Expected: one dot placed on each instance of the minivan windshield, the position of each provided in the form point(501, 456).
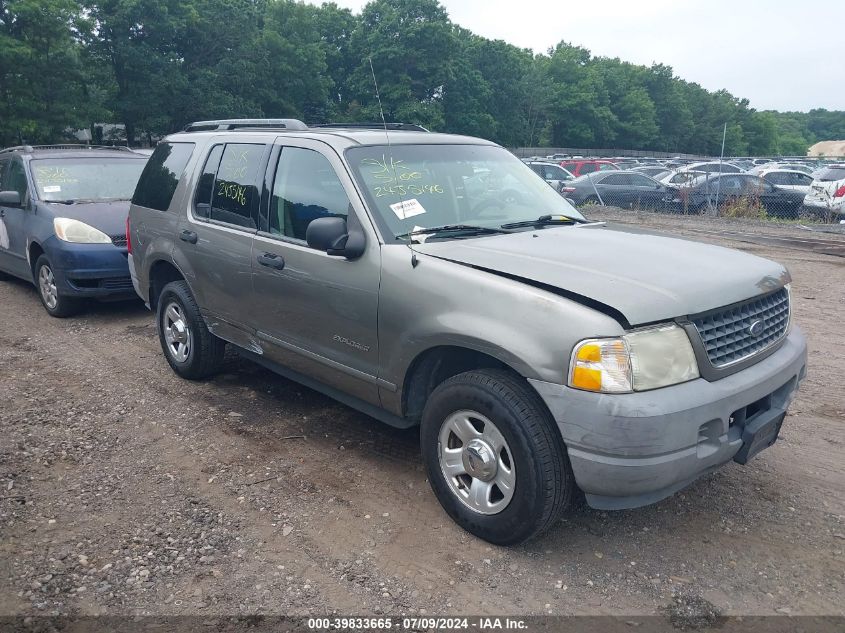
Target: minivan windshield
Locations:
point(415, 187)
point(94, 179)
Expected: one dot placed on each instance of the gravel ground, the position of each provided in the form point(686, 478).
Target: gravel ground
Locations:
point(124, 490)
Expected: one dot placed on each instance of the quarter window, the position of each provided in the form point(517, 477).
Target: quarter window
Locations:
point(161, 176)
point(235, 195)
point(306, 187)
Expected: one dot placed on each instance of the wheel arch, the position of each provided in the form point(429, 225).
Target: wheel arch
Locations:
point(434, 365)
point(161, 273)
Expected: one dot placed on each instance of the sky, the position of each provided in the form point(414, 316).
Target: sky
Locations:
point(780, 55)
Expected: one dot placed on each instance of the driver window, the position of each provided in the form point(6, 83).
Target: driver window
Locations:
point(305, 188)
point(15, 179)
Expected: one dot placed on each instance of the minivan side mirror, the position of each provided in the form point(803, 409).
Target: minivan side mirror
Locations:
point(10, 199)
point(332, 235)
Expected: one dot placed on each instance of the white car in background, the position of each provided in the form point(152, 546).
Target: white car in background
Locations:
point(690, 172)
point(790, 179)
point(826, 195)
point(791, 166)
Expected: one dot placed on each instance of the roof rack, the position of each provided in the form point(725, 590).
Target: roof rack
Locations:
point(77, 146)
point(400, 127)
point(234, 124)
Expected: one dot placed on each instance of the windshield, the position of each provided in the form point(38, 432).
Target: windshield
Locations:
point(101, 178)
point(412, 187)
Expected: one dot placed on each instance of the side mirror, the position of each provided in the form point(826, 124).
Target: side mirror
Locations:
point(10, 199)
point(331, 235)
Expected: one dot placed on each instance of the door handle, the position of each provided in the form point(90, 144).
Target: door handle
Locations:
point(188, 236)
point(271, 260)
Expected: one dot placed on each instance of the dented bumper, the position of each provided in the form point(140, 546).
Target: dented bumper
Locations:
point(630, 450)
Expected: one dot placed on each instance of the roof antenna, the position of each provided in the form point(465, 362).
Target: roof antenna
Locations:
point(414, 260)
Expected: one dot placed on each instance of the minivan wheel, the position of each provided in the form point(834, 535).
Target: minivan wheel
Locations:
point(494, 456)
point(191, 350)
point(56, 304)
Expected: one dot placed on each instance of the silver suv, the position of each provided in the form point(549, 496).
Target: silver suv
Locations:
point(538, 352)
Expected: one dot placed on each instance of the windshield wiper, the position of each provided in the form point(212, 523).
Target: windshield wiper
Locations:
point(454, 228)
point(61, 201)
point(545, 220)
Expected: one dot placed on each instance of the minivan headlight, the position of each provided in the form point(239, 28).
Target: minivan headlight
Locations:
point(70, 230)
point(638, 361)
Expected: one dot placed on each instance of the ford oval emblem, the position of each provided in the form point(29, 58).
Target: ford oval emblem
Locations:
point(756, 328)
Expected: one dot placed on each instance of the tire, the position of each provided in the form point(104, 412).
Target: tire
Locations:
point(533, 458)
point(191, 350)
point(590, 200)
point(56, 305)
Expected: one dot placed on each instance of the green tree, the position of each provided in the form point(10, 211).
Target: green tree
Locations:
point(42, 84)
point(411, 44)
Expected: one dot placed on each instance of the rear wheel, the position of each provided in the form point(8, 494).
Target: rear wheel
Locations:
point(494, 456)
point(57, 305)
point(191, 350)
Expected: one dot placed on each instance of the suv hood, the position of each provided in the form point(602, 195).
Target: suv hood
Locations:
point(108, 217)
point(644, 277)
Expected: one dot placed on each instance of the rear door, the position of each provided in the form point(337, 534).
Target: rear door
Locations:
point(314, 313)
point(615, 189)
point(216, 238)
point(647, 192)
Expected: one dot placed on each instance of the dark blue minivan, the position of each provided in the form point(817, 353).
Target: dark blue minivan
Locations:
point(63, 216)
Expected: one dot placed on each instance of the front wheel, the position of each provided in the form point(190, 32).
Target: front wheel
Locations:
point(495, 458)
point(191, 350)
point(57, 305)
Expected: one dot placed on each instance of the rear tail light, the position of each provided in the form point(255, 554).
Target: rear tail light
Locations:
point(840, 192)
point(128, 239)
point(567, 189)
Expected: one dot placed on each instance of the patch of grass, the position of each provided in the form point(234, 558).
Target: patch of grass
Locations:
point(743, 207)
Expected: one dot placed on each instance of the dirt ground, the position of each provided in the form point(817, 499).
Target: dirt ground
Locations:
point(124, 490)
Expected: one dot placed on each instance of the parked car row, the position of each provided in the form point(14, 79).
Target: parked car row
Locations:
point(693, 185)
point(424, 279)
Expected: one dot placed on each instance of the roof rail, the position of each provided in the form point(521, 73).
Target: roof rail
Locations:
point(17, 148)
point(77, 146)
point(234, 124)
point(393, 127)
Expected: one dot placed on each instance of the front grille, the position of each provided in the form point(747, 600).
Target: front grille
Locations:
point(726, 333)
point(118, 240)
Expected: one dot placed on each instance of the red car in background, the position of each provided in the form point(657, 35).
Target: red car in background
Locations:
point(580, 167)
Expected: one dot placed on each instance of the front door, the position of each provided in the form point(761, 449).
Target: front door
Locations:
point(13, 240)
point(314, 313)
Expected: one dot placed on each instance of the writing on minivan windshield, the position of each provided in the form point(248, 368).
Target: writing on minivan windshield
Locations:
point(93, 179)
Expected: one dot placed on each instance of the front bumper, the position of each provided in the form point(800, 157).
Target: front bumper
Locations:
point(89, 270)
point(629, 450)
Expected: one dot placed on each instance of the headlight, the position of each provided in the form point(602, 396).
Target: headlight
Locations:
point(78, 232)
point(640, 360)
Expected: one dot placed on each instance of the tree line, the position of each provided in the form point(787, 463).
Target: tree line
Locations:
point(156, 65)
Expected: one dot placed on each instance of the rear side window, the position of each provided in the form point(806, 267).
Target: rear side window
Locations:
point(235, 196)
point(161, 175)
point(205, 187)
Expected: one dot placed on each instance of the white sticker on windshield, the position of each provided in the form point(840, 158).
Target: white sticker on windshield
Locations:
point(52, 189)
point(407, 208)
